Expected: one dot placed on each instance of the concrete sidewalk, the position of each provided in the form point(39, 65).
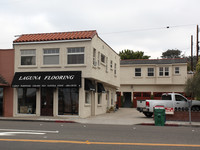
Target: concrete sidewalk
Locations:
point(123, 116)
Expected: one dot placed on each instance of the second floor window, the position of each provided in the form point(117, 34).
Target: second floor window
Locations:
point(163, 71)
point(75, 55)
point(51, 56)
point(111, 64)
point(28, 57)
point(150, 72)
point(115, 69)
point(166, 71)
point(98, 62)
point(177, 70)
point(160, 71)
point(138, 72)
point(94, 57)
point(103, 58)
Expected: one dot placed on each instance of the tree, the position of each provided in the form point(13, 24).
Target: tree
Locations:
point(198, 66)
point(171, 53)
point(130, 54)
point(192, 85)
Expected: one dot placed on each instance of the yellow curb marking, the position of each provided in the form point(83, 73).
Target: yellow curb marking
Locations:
point(99, 143)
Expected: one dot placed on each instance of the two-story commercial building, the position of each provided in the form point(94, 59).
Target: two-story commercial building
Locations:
point(145, 79)
point(62, 74)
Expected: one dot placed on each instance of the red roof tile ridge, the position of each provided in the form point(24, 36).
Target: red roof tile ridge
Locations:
point(58, 32)
point(56, 36)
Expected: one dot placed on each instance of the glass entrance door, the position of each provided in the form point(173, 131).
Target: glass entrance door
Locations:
point(68, 101)
point(47, 101)
point(1, 101)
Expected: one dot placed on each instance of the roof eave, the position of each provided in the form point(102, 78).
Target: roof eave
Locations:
point(54, 41)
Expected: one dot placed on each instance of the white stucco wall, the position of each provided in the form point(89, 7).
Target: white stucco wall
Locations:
point(172, 83)
point(110, 80)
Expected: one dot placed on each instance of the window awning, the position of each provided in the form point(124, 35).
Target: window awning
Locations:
point(89, 86)
point(47, 79)
point(100, 88)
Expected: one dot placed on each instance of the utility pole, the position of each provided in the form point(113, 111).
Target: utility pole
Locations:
point(197, 43)
point(191, 52)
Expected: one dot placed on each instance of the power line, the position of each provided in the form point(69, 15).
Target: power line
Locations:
point(147, 29)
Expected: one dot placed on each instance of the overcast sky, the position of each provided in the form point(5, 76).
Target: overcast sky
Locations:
point(139, 25)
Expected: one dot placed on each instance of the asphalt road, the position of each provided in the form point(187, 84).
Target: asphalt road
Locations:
point(20, 135)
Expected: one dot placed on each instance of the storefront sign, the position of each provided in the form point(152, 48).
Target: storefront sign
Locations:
point(47, 79)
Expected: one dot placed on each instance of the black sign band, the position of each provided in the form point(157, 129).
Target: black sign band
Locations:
point(47, 79)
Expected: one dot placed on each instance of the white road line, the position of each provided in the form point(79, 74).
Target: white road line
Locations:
point(19, 130)
point(14, 133)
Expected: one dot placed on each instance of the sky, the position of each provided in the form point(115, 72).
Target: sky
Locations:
point(151, 26)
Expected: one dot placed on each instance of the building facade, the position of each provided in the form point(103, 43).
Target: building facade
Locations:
point(6, 76)
point(145, 79)
point(62, 74)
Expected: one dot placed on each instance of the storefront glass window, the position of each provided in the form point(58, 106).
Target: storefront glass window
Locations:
point(1, 101)
point(68, 100)
point(27, 100)
point(99, 98)
point(87, 97)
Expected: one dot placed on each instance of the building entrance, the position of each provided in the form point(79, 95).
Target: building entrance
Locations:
point(127, 100)
point(47, 101)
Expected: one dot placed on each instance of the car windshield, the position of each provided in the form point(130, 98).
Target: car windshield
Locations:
point(166, 97)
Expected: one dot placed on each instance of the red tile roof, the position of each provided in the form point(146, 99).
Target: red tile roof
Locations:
point(56, 36)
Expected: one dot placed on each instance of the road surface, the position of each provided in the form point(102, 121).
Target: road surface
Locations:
point(20, 135)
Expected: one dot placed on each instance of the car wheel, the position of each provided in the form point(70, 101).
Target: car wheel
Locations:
point(148, 114)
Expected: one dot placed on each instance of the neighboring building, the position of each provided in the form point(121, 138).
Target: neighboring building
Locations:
point(66, 73)
point(149, 78)
point(6, 76)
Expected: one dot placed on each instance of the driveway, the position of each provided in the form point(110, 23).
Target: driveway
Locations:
point(123, 116)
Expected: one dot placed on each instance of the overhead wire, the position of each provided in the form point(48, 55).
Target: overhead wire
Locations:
point(147, 29)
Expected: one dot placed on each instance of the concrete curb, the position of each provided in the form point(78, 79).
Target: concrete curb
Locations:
point(49, 120)
point(70, 121)
point(172, 125)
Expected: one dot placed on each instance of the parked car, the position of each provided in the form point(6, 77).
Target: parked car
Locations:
point(168, 100)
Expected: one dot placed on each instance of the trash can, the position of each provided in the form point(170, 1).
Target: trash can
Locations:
point(159, 115)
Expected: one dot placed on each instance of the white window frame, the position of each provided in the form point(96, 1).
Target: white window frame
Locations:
point(103, 58)
point(99, 55)
point(76, 53)
point(27, 55)
point(161, 70)
point(177, 71)
point(137, 72)
point(111, 65)
point(94, 57)
point(51, 52)
point(150, 72)
point(106, 64)
point(164, 71)
point(115, 69)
